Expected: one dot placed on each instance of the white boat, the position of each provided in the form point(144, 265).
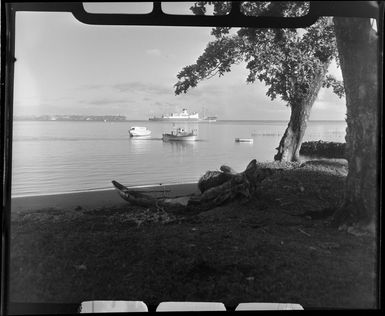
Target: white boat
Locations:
point(179, 135)
point(244, 140)
point(139, 131)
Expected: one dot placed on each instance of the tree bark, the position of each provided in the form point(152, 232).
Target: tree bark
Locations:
point(290, 144)
point(357, 46)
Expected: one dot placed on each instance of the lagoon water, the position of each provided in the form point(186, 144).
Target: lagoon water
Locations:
point(58, 157)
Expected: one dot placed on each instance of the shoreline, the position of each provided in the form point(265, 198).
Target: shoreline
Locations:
point(104, 198)
point(168, 121)
point(94, 199)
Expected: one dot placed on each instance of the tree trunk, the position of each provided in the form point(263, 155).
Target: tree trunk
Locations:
point(290, 144)
point(357, 46)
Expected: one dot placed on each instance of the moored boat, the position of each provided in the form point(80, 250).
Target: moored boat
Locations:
point(179, 135)
point(244, 140)
point(209, 119)
point(136, 131)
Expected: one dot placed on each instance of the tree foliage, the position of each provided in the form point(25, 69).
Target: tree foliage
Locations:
point(286, 60)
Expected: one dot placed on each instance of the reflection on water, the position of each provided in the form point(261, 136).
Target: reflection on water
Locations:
point(55, 157)
point(142, 144)
point(139, 145)
point(180, 146)
point(143, 138)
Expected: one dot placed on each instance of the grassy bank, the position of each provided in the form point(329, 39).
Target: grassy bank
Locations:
point(277, 247)
point(323, 149)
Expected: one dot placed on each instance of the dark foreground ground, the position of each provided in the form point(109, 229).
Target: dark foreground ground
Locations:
point(277, 247)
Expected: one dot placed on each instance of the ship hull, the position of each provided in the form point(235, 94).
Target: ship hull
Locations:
point(170, 137)
point(137, 131)
point(158, 119)
point(244, 140)
point(136, 134)
point(161, 119)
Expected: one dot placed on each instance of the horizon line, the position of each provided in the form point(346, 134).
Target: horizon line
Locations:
point(34, 118)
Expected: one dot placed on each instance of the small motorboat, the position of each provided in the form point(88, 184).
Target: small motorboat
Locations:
point(244, 140)
point(136, 131)
point(179, 135)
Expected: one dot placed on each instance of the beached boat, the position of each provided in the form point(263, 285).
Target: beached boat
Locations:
point(183, 116)
point(244, 140)
point(179, 135)
point(136, 131)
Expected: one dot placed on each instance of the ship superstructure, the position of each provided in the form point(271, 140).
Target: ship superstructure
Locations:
point(182, 116)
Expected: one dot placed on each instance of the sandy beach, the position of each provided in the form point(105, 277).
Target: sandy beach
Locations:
point(94, 199)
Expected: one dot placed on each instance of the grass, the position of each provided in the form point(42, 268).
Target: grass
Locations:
point(277, 247)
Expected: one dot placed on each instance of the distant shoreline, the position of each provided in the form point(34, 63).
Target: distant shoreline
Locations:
point(144, 120)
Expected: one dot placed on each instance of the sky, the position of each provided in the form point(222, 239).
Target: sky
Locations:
point(67, 67)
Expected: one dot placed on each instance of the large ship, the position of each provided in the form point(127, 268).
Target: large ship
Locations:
point(183, 116)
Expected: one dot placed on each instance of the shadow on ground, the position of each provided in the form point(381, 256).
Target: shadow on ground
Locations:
point(277, 247)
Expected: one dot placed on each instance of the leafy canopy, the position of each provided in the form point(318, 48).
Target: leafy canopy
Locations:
point(286, 60)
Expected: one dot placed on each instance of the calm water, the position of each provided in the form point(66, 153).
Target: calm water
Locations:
point(58, 157)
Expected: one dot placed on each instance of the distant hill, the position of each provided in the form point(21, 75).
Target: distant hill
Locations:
point(100, 118)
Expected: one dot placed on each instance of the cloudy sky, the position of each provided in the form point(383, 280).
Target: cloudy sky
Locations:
point(67, 67)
